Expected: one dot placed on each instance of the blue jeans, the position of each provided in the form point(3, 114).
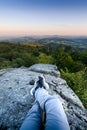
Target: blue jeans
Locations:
point(55, 116)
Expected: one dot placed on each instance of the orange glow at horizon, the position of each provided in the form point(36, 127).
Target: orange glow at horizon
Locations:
point(44, 31)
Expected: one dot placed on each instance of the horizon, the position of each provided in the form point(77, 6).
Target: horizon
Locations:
point(20, 18)
point(43, 36)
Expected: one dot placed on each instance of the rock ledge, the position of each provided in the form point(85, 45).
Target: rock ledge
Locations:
point(15, 100)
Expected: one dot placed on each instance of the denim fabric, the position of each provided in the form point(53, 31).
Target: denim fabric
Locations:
point(55, 116)
point(33, 119)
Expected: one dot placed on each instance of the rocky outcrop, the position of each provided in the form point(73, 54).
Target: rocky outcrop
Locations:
point(15, 100)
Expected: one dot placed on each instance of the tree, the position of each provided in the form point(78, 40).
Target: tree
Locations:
point(43, 58)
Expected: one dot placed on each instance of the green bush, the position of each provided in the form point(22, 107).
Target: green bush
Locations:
point(78, 83)
point(5, 64)
point(17, 62)
point(43, 58)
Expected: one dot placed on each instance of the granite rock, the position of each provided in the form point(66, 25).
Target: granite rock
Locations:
point(15, 98)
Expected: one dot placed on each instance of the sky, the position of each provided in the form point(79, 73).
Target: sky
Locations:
point(43, 17)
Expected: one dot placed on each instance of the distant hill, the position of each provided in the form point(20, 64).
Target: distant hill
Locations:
point(53, 41)
point(79, 43)
point(19, 39)
point(33, 44)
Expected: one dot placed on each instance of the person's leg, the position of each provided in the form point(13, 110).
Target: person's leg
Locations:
point(33, 120)
point(41, 95)
point(55, 116)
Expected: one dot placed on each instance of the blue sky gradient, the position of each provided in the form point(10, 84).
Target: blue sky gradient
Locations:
point(43, 17)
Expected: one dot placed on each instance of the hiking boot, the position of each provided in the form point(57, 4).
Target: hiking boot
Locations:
point(41, 83)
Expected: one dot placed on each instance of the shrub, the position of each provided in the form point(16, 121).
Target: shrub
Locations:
point(43, 58)
point(78, 83)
